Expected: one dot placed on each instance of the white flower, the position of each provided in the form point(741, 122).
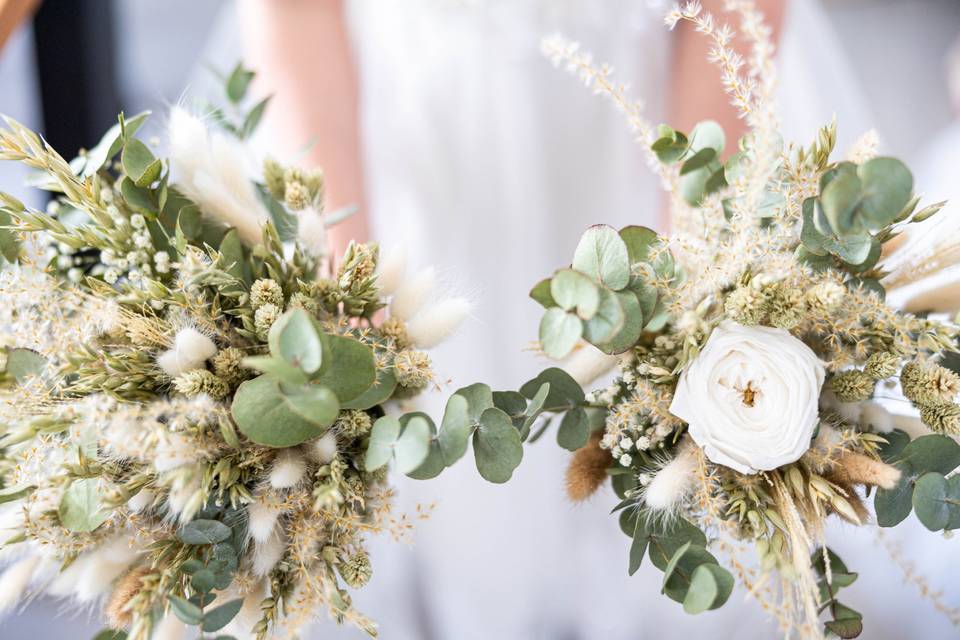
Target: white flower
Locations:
point(750, 397)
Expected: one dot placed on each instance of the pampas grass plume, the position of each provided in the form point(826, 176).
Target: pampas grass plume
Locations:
point(390, 270)
point(673, 483)
point(262, 521)
point(14, 581)
point(118, 616)
point(324, 449)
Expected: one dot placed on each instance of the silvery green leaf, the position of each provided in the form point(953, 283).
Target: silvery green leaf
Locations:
point(80, 510)
point(456, 426)
point(574, 429)
point(559, 332)
point(640, 241)
point(23, 364)
point(479, 398)
point(188, 612)
point(268, 416)
point(203, 532)
point(632, 327)
point(139, 163)
point(378, 393)
point(541, 293)
point(710, 586)
point(608, 320)
point(574, 291)
point(931, 502)
point(563, 393)
point(219, 617)
point(708, 135)
point(110, 144)
point(383, 437)
point(496, 446)
point(602, 255)
point(887, 188)
point(295, 339)
point(413, 445)
point(350, 368)
point(840, 200)
point(852, 249)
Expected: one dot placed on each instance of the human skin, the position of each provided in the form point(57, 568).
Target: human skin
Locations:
point(301, 50)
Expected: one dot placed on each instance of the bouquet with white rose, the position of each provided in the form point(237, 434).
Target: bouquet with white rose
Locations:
point(755, 351)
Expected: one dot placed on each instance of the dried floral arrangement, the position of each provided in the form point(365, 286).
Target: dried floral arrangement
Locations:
point(755, 352)
point(193, 429)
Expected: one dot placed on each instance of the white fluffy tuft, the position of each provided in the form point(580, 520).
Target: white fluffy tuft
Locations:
point(324, 449)
point(849, 411)
point(190, 350)
point(311, 232)
point(437, 322)
point(211, 169)
point(141, 501)
point(103, 567)
point(391, 268)
point(875, 415)
point(410, 296)
point(262, 521)
point(14, 581)
point(673, 483)
point(587, 364)
point(288, 469)
point(267, 554)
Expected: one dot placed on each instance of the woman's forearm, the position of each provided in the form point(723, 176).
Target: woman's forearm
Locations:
point(301, 51)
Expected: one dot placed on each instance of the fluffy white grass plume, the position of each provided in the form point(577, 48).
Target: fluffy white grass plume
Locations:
point(262, 520)
point(672, 485)
point(190, 350)
point(141, 501)
point(14, 581)
point(875, 415)
point(437, 322)
point(104, 565)
point(267, 554)
point(312, 232)
point(412, 294)
point(391, 269)
point(211, 169)
point(324, 449)
point(289, 468)
point(587, 364)
point(849, 411)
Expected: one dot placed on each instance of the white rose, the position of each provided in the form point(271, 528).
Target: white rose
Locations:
point(750, 397)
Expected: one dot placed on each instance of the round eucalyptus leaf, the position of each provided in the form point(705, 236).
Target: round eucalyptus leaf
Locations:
point(276, 367)
point(810, 236)
point(574, 291)
point(479, 398)
point(433, 465)
point(219, 617)
point(873, 257)
point(541, 293)
point(496, 446)
point(674, 561)
point(894, 505)
point(930, 501)
point(379, 393)
point(677, 586)
point(658, 319)
point(563, 392)
point(708, 134)
point(693, 186)
point(413, 445)
point(887, 188)
point(139, 163)
point(710, 586)
point(608, 321)
point(351, 368)
point(455, 428)
point(852, 248)
point(632, 325)
point(574, 429)
point(559, 332)
point(932, 452)
point(699, 159)
point(80, 510)
point(839, 201)
point(602, 255)
point(639, 241)
point(312, 402)
point(383, 437)
point(203, 532)
point(295, 339)
point(267, 416)
point(24, 363)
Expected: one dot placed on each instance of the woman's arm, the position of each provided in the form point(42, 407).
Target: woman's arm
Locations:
point(696, 91)
point(301, 51)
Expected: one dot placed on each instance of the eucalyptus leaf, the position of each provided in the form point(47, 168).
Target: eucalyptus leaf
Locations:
point(351, 370)
point(188, 612)
point(932, 503)
point(894, 505)
point(269, 417)
point(479, 398)
point(710, 586)
point(381, 391)
point(139, 163)
point(887, 188)
point(219, 617)
point(574, 429)
point(559, 332)
point(496, 446)
point(294, 338)
point(111, 143)
point(203, 532)
point(541, 293)
point(80, 510)
point(383, 437)
point(839, 201)
point(602, 255)
point(413, 445)
point(574, 291)
point(932, 452)
point(608, 320)
point(24, 364)
point(632, 327)
point(564, 392)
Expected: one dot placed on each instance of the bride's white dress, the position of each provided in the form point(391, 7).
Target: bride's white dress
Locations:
point(483, 159)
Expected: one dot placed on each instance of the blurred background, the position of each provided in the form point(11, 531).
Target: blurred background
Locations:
point(67, 70)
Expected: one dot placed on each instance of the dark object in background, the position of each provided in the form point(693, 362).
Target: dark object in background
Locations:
point(74, 41)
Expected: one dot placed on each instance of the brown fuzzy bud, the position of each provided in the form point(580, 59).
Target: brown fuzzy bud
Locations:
point(116, 611)
point(942, 417)
point(587, 470)
point(857, 468)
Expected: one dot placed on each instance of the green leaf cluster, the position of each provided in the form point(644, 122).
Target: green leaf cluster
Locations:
point(924, 487)
point(701, 171)
point(844, 622)
point(691, 574)
point(609, 295)
point(307, 378)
